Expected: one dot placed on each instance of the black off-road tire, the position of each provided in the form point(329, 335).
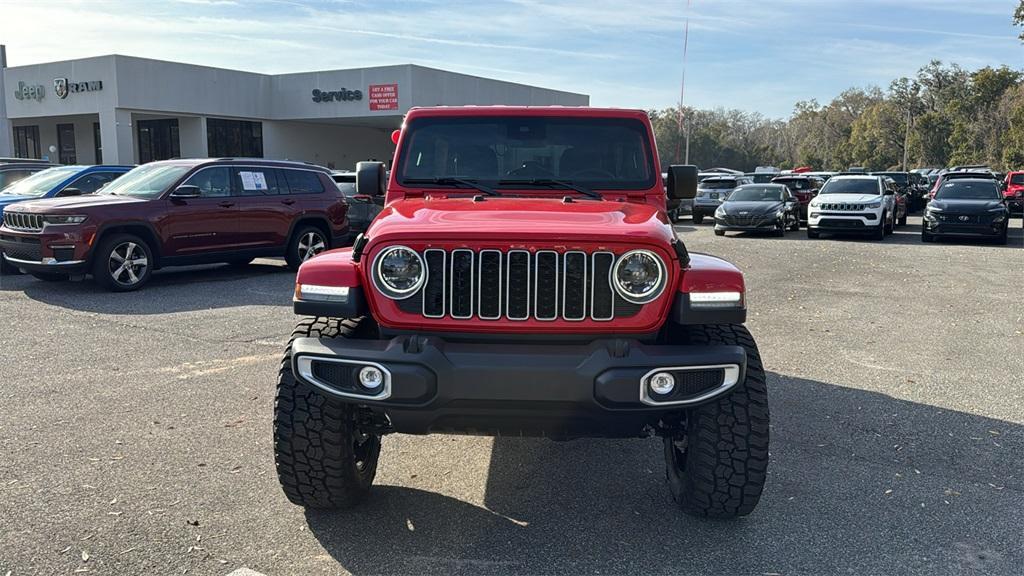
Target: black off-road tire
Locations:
point(927, 236)
point(323, 460)
point(888, 226)
point(720, 470)
point(903, 220)
point(719, 232)
point(813, 234)
point(698, 218)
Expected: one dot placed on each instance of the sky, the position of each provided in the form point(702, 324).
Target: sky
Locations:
point(754, 55)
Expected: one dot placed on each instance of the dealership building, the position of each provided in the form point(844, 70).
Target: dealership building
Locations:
point(125, 110)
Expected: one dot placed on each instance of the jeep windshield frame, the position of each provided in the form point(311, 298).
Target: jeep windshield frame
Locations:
point(542, 154)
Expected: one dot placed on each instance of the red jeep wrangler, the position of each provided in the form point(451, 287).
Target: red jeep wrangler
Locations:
point(523, 279)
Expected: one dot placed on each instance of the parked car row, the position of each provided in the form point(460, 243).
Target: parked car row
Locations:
point(169, 213)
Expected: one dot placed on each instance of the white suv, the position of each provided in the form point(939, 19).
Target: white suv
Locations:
point(853, 204)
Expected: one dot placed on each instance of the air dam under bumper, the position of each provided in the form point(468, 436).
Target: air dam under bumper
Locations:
point(534, 389)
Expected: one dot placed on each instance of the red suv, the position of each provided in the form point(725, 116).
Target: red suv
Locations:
point(1013, 191)
point(178, 212)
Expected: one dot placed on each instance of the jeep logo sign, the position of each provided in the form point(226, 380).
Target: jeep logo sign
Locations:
point(342, 95)
point(61, 87)
point(29, 92)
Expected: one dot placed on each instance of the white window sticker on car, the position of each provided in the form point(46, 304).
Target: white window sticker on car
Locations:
point(253, 180)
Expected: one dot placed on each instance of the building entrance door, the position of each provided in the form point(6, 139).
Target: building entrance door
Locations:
point(66, 144)
point(158, 140)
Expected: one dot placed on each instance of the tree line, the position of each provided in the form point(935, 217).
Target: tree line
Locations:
point(943, 116)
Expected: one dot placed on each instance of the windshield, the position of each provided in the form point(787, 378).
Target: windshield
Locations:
point(509, 152)
point(851, 186)
point(757, 194)
point(961, 190)
point(41, 182)
point(1017, 178)
point(718, 184)
point(146, 181)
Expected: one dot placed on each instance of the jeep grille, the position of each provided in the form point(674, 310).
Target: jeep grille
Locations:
point(518, 285)
point(23, 222)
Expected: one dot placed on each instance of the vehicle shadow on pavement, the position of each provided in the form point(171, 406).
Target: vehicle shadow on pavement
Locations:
point(171, 290)
point(859, 482)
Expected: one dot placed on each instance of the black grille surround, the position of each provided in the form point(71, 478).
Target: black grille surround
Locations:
point(518, 285)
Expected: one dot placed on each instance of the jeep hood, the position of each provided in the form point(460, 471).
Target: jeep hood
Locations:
point(509, 220)
point(64, 205)
point(843, 198)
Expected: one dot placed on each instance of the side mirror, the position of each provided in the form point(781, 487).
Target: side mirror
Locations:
point(682, 182)
point(370, 179)
point(69, 192)
point(186, 191)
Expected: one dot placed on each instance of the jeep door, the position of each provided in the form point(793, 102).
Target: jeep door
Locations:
point(265, 207)
point(203, 225)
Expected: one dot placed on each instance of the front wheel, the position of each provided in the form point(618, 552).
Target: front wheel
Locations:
point(325, 457)
point(880, 232)
point(903, 220)
point(717, 467)
point(719, 232)
point(812, 234)
point(698, 218)
point(123, 262)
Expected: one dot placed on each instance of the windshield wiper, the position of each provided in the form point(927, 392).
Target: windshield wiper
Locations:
point(453, 181)
point(559, 183)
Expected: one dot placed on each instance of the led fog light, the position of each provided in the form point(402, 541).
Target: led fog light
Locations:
point(371, 378)
point(662, 383)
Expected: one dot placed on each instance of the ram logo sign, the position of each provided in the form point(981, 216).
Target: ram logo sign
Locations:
point(62, 87)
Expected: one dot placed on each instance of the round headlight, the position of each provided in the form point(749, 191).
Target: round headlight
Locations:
point(399, 272)
point(639, 276)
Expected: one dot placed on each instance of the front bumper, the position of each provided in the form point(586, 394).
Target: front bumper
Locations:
point(957, 229)
point(843, 222)
point(533, 389)
point(62, 252)
point(758, 224)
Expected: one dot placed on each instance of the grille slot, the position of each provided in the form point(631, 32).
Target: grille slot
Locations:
point(461, 284)
point(518, 285)
point(602, 297)
point(517, 288)
point(546, 286)
point(433, 290)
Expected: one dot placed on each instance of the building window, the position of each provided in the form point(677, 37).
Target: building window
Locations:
point(66, 144)
point(158, 140)
point(234, 138)
point(97, 142)
point(26, 141)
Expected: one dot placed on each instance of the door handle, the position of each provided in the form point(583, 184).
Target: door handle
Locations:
point(288, 202)
point(226, 204)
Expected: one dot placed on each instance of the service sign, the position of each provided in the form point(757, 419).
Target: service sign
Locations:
point(383, 96)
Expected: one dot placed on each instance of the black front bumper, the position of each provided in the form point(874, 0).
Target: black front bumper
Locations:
point(541, 389)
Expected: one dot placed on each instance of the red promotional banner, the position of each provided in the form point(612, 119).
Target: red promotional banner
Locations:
point(383, 96)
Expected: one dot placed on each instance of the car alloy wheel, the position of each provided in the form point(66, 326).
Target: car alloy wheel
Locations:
point(127, 263)
point(310, 245)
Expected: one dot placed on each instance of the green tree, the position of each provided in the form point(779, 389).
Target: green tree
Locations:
point(1018, 18)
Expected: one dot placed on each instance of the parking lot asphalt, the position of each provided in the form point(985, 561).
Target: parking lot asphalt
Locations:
point(135, 435)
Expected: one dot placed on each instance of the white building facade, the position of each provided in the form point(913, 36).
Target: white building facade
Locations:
point(125, 110)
